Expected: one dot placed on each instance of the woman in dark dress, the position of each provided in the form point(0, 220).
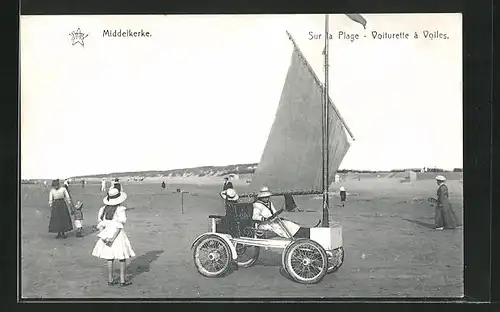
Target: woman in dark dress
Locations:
point(60, 219)
point(343, 195)
point(445, 216)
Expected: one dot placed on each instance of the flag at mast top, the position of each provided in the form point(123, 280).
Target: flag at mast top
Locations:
point(358, 19)
point(355, 17)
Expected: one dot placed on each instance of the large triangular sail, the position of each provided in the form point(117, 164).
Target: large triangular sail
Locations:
point(292, 157)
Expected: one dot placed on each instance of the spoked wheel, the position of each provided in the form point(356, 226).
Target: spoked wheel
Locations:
point(306, 261)
point(335, 259)
point(212, 256)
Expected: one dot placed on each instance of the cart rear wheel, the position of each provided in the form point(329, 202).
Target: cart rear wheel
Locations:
point(247, 255)
point(335, 259)
point(212, 256)
point(306, 261)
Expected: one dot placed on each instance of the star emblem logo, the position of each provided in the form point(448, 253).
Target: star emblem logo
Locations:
point(77, 37)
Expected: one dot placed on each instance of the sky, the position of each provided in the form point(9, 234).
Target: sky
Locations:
point(175, 99)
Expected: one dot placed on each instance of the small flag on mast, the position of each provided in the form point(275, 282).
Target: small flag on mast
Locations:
point(358, 19)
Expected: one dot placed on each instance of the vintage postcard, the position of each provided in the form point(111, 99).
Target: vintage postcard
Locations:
point(241, 156)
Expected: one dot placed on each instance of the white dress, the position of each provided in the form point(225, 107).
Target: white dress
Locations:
point(110, 227)
point(121, 248)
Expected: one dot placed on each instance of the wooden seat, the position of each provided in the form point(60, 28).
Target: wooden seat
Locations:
point(244, 224)
point(236, 222)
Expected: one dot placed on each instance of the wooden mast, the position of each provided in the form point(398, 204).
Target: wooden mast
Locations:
point(325, 118)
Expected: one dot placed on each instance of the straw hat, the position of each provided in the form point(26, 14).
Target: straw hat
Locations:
point(342, 189)
point(115, 197)
point(229, 194)
point(264, 192)
point(440, 178)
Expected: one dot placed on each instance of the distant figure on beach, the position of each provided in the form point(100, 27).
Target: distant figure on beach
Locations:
point(445, 217)
point(103, 185)
point(59, 202)
point(163, 185)
point(79, 219)
point(343, 196)
point(227, 184)
point(117, 185)
point(113, 243)
point(45, 184)
point(66, 186)
point(83, 183)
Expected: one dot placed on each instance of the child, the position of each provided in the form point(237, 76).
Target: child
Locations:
point(343, 195)
point(79, 219)
point(113, 243)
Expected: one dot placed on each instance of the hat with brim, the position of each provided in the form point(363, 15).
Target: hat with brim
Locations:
point(264, 192)
point(115, 197)
point(440, 178)
point(229, 194)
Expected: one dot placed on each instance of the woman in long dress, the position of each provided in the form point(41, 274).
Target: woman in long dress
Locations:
point(113, 243)
point(445, 217)
point(59, 201)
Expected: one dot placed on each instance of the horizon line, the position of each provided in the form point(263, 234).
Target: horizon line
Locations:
point(225, 167)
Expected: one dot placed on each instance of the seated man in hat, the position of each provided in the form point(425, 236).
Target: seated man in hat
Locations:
point(263, 209)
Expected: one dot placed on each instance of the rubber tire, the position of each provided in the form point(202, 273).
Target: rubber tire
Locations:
point(227, 249)
point(335, 269)
point(289, 269)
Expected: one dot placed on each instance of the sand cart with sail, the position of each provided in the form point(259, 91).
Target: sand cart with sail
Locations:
point(307, 142)
point(235, 240)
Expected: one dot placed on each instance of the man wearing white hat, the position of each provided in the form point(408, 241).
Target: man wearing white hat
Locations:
point(445, 217)
point(229, 195)
point(263, 209)
point(230, 198)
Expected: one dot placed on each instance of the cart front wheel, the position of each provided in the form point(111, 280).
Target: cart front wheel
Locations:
point(212, 256)
point(306, 261)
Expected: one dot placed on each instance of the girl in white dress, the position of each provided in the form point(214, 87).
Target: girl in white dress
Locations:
point(113, 243)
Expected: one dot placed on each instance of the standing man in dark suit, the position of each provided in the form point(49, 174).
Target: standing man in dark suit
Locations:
point(227, 184)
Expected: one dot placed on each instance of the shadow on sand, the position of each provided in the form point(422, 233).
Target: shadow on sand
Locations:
point(141, 264)
point(426, 225)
